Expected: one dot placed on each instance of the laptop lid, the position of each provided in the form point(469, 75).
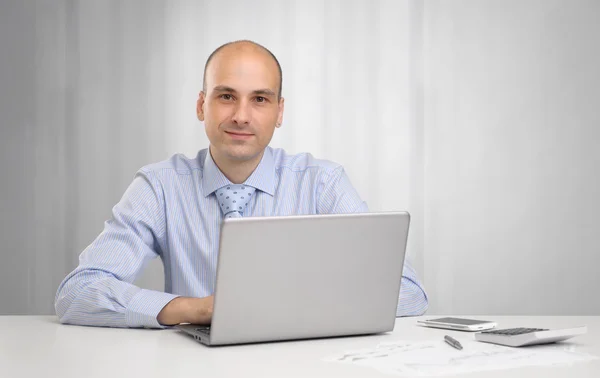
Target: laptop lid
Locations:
point(295, 277)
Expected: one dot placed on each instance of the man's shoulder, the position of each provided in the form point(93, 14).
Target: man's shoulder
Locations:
point(178, 164)
point(302, 162)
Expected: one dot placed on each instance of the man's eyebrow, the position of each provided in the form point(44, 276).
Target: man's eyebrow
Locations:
point(223, 88)
point(266, 92)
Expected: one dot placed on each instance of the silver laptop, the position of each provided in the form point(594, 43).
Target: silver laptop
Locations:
point(309, 276)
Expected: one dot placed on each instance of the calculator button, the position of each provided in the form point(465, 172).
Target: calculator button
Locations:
point(514, 331)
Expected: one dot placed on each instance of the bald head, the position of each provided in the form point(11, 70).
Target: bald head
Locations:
point(237, 49)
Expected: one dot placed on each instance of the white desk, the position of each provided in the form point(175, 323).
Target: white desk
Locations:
point(38, 346)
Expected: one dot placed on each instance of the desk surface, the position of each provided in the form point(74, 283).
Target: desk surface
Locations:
point(38, 346)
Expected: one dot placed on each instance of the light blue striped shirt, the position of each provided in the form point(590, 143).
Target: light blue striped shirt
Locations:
point(170, 211)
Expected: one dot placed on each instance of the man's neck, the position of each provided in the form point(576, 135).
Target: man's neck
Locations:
point(236, 171)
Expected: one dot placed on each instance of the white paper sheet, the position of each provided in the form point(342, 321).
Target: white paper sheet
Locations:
point(436, 358)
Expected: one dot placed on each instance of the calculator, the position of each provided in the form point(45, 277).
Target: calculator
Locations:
point(517, 337)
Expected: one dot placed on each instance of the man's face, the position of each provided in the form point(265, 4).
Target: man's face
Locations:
point(240, 109)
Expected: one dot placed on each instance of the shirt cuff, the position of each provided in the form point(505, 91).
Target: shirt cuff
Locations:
point(144, 308)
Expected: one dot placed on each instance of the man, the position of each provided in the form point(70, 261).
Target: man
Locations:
point(173, 209)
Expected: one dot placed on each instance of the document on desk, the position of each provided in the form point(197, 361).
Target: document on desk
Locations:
point(436, 358)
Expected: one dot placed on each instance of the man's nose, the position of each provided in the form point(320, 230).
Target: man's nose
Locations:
point(241, 115)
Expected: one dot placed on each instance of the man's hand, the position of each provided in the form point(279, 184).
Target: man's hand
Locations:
point(187, 310)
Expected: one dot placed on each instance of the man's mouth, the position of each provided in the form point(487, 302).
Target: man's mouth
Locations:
point(235, 135)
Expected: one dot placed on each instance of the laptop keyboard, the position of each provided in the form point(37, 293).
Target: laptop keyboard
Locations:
point(205, 330)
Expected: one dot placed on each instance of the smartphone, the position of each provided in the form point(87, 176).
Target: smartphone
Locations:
point(458, 324)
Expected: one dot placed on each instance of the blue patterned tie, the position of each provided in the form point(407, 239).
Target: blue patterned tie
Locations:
point(234, 198)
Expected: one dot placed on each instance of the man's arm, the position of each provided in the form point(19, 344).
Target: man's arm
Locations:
point(99, 291)
point(413, 299)
point(339, 196)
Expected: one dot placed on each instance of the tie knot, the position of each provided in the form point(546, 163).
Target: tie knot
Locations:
point(234, 198)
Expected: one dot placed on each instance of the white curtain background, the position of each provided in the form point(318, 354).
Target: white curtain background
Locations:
point(93, 90)
point(512, 156)
point(478, 117)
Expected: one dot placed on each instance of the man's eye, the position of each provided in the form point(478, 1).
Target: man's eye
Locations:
point(226, 97)
point(261, 99)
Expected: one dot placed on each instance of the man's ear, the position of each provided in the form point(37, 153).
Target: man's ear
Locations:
point(200, 106)
point(280, 114)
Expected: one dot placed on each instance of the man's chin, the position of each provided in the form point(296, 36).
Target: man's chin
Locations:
point(243, 155)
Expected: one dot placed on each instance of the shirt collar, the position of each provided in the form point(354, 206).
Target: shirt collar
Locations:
point(263, 177)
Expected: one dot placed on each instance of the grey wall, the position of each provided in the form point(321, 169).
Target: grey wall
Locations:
point(66, 159)
point(512, 150)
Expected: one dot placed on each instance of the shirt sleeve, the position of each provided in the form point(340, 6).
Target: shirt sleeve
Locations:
point(99, 292)
point(413, 298)
point(339, 196)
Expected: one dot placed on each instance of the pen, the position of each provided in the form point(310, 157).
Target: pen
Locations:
point(452, 342)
